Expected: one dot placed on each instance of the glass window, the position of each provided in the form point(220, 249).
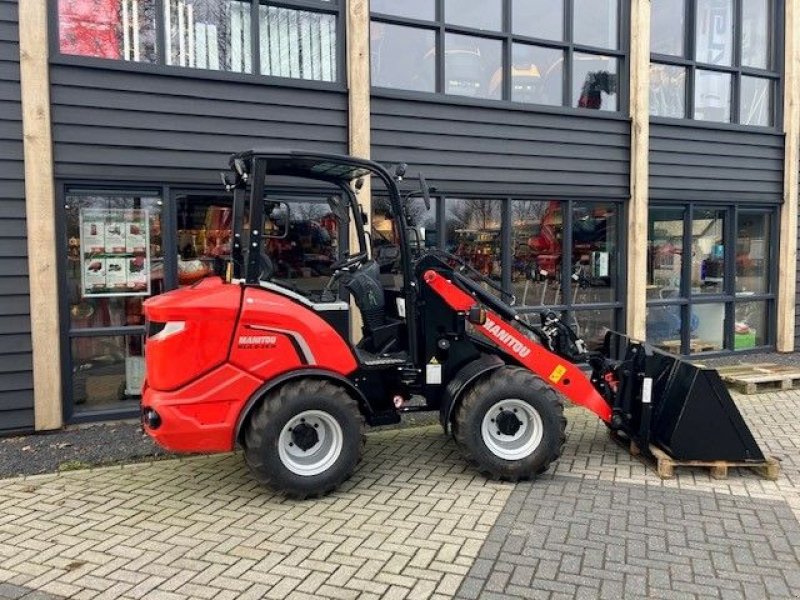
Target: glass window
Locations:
point(755, 33)
point(473, 66)
point(537, 75)
point(595, 23)
point(204, 224)
point(209, 34)
point(592, 326)
point(539, 18)
point(752, 253)
point(714, 35)
point(403, 57)
point(664, 326)
point(712, 96)
point(106, 371)
point(473, 232)
point(594, 253)
point(750, 325)
point(594, 81)
point(667, 91)
point(708, 251)
point(755, 107)
point(487, 14)
point(412, 9)
point(537, 230)
point(664, 253)
point(385, 246)
point(707, 328)
point(667, 19)
point(114, 29)
point(298, 44)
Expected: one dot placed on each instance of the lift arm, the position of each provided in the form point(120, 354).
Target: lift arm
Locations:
point(562, 375)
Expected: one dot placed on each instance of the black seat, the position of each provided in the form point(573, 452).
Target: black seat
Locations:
point(380, 333)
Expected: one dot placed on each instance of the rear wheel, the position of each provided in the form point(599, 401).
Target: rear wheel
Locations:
point(305, 438)
point(510, 425)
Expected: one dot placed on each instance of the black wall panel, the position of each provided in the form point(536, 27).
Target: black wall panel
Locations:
point(16, 380)
point(487, 150)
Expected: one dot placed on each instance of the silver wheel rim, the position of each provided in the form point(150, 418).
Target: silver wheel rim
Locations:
point(520, 443)
point(324, 451)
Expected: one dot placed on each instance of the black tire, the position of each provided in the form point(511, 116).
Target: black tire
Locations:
point(504, 384)
point(267, 421)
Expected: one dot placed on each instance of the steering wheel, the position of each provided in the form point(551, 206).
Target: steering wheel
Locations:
point(350, 261)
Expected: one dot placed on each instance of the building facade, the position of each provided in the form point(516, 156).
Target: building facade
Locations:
point(632, 164)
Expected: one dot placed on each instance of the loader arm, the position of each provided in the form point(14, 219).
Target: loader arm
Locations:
point(562, 375)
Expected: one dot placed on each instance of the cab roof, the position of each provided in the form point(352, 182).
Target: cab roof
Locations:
point(315, 165)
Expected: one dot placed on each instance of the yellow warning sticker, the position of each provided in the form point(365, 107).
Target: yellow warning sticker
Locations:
point(557, 373)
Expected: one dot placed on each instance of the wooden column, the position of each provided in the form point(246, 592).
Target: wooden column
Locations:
point(40, 213)
point(787, 260)
point(640, 149)
point(359, 111)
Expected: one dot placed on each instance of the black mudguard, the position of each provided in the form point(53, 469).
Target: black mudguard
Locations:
point(461, 381)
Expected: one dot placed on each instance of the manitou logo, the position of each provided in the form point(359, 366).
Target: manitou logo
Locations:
point(250, 342)
point(506, 339)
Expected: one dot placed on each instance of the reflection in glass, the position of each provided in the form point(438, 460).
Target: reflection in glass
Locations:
point(537, 229)
point(413, 9)
point(594, 252)
point(664, 253)
point(708, 328)
point(487, 14)
point(714, 36)
point(106, 371)
point(752, 253)
point(708, 251)
point(403, 57)
point(592, 326)
point(755, 33)
point(297, 43)
point(712, 96)
point(755, 107)
point(595, 23)
point(204, 226)
point(667, 27)
point(209, 34)
point(750, 325)
point(115, 29)
point(539, 19)
point(667, 91)
point(472, 232)
point(473, 66)
point(385, 244)
point(594, 81)
point(537, 75)
point(663, 329)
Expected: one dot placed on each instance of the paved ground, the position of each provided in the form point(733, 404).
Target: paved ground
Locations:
point(414, 523)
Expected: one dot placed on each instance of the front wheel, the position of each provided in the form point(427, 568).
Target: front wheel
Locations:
point(305, 439)
point(510, 425)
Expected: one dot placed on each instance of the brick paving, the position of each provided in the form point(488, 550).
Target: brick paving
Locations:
point(414, 522)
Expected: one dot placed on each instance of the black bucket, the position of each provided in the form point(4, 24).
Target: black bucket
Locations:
point(683, 409)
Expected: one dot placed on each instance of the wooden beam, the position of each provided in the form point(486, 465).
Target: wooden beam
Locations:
point(636, 303)
point(787, 254)
point(358, 84)
point(40, 208)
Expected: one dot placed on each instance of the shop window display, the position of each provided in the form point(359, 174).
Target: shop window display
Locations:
point(537, 243)
point(473, 233)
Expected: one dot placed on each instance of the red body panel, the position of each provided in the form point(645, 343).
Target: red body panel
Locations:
point(562, 375)
point(228, 341)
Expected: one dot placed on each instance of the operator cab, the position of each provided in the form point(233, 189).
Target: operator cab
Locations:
point(386, 333)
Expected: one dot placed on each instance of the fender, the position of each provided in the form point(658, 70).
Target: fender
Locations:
point(291, 376)
point(461, 381)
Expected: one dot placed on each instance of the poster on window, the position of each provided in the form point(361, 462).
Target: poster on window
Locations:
point(115, 248)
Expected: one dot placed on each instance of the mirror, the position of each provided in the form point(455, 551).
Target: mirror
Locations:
point(276, 220)
point(400, 171)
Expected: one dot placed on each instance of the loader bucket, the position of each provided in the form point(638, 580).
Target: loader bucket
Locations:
point(683, 409)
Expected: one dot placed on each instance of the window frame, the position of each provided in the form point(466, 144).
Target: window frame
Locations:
point(508, 39)
point(160, 66)
point(729, 298)
point(736, 70)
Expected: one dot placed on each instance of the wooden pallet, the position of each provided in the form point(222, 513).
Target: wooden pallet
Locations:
point(759, 378)
point(665, 465)
point(695, 346)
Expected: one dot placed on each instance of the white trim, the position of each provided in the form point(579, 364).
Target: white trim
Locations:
point(301, 341)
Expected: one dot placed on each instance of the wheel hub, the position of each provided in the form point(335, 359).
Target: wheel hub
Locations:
point(304, 436)
point(507, 422)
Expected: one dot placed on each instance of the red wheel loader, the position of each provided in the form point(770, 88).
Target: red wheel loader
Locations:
point(246, 359)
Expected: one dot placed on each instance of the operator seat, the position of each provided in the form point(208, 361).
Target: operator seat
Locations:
point(380, 333)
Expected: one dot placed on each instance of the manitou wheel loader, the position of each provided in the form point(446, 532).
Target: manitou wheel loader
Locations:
point(245, 359)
